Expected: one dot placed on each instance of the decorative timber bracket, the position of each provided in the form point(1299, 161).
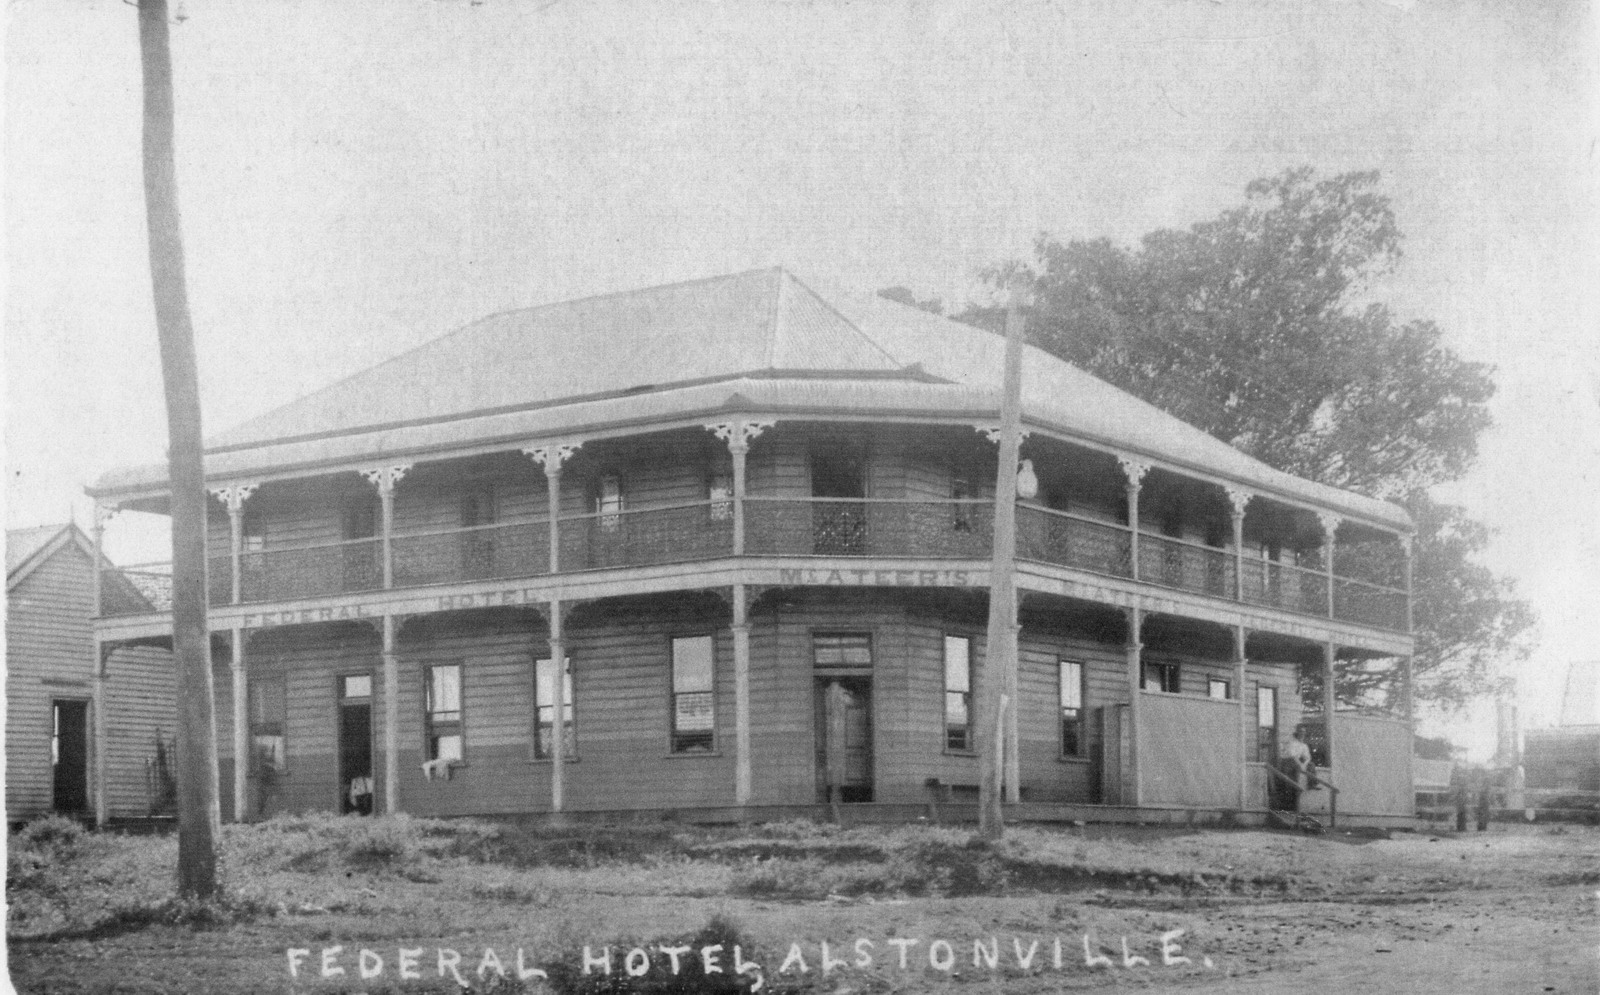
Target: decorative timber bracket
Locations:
point(385, 477)
point(553, 455)
point(739, 434)
point(233, 496)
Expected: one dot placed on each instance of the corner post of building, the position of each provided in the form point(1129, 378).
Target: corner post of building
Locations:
point(558, 714)
point(233, 498)
point(1330, 532)
point(241, 717)
point(1134, 649)
point(738, 435)
point(391, 715)
point(1238, 501)
point(742, 777)
point(102, 656)
point(551, 457)
point(385, 478)
point(1134, 471)
point(1330, 698)
point(1241, 664)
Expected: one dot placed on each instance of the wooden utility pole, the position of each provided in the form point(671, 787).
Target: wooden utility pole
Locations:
point(1000, 648)
point(198, 815)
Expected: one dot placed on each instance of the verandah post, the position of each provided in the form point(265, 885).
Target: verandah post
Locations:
point(1240, 668)
point(101, 514)
point(742, 778)
point(1238, 501)
point(1134, 471)
point(391, 718)
point(243, 753)
point(558, 716)
point(1133, 651)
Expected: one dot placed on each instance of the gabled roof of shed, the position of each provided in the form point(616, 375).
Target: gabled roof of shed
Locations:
point(757, 341)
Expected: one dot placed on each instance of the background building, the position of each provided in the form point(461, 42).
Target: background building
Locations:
point(84, 733)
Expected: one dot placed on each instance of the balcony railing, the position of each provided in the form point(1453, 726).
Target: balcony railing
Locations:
point(952, 529)
point(1279, 585)
point(1369, 604)
point(1071, 541)
point(702, 530)
point(641, 537)
point(486, 552)
point(1187, 566)
point(308, 571)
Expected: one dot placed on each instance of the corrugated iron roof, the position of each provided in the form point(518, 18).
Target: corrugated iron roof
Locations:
point(761, 340)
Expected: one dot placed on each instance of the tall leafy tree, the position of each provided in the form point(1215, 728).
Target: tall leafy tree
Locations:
point(1259, 327)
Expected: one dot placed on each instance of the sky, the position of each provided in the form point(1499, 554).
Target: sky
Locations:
point(358, 178)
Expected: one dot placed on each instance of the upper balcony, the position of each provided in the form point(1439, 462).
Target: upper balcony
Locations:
point(816, 492)
point(576, 457)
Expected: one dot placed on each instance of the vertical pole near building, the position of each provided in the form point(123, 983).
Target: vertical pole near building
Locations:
point(101, 513)
point(1329, 700)
point(1330, 530)
point(1238, 501)
point(391, 718)
point(1134, 649)
point(1134, 471)
point(742, 781)
point(558, 718)
point(198, 815)
point(242, 752)
point(384, 478)
point(102, 656)
point(1240, 668)
point(551, 457)
point(1000, 654)
point(1408, 690)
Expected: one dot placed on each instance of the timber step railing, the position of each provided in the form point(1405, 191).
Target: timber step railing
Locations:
point(1299, 817)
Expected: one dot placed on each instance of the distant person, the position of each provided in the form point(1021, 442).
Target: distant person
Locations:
point(1297, 765)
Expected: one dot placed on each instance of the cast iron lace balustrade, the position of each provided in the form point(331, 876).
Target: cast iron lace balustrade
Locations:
point(1069, 540)
point(1281, 585)
point(482, 552)
point(774, 526)
point(1188, 566)
point(638, 537)
point(309, 571)
point(946, 529)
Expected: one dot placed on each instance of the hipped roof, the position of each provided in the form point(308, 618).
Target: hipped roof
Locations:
point(760, 341)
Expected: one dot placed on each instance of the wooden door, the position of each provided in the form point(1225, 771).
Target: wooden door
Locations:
point(844, 738)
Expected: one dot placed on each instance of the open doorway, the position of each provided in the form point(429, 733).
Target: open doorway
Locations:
point(69, 756)
point(844, 738)
point(355, 744)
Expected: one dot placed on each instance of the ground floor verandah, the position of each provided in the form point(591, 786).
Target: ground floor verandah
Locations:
point(736, 705)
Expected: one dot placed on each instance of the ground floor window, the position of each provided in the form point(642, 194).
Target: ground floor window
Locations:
point(443, 718)
point(1161, 677)
point(693, 699)
point(957, 693)
point(544, 695)
point(1071, 686)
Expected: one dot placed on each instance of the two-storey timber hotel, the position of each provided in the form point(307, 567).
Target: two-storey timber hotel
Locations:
point(723, 547)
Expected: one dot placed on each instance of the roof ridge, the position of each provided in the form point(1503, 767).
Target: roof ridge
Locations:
point(828, 305)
